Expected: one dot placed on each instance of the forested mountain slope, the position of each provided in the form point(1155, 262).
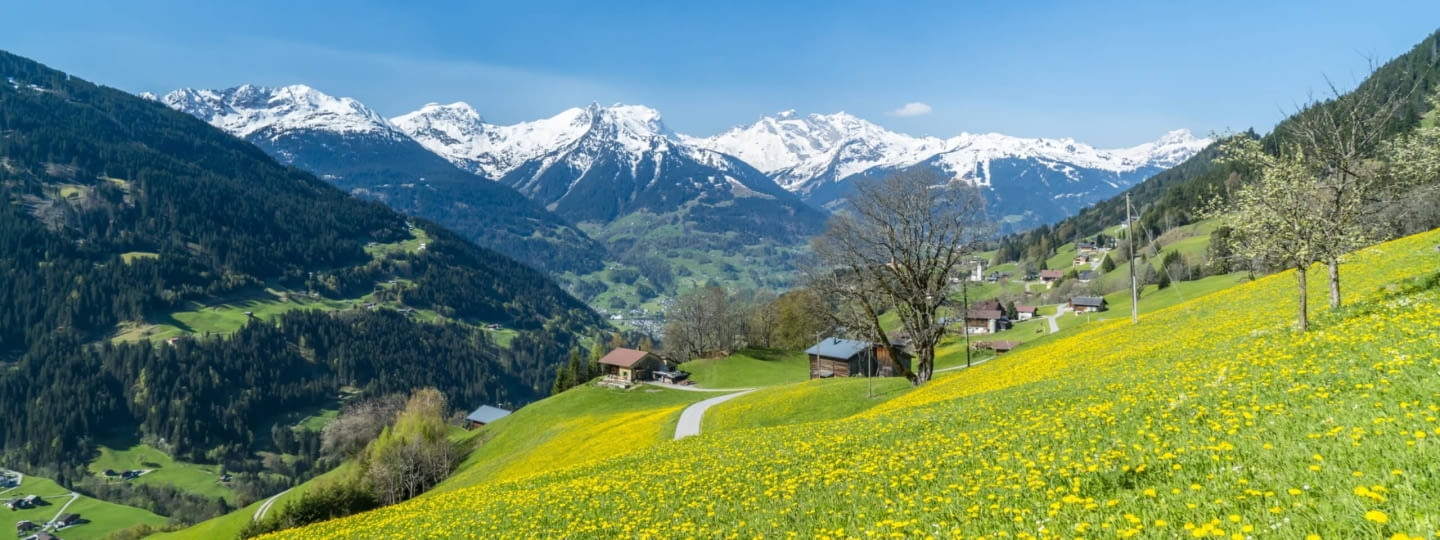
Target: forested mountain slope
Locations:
point(117, 210)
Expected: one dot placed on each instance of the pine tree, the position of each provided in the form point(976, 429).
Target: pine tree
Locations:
point(1107, 265)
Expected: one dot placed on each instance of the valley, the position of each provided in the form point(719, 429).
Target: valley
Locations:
point(986, 302)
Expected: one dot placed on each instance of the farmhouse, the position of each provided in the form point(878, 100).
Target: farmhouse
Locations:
point(627, 366)
point(484, 415)
point(1025, 313)
point(985, 321)
point(1049, 277)
point(835, 357)
point(68, 520)
point(1088, 304)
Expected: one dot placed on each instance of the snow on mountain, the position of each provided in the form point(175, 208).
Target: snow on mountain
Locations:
point(459, 133)
point(796, 150)
point(250, 110)
point(805, 153)
point(968, 156)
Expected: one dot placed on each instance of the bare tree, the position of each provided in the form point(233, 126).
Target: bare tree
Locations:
point(705, 321)
point(895, 247)
point(1341, 136)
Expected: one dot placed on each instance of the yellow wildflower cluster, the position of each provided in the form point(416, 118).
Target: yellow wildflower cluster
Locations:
point(1209, 419)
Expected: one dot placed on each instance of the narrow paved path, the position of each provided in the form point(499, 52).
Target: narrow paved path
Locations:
point(690, 418)
point(963, 366)
point(55, 521)
point(265, 507)
point(1059, 310)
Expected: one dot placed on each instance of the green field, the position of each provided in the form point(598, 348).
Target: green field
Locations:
point(228, 526)
point(202, 479)
point(748, 368)
point(103, 517)
point(1210, 418)
point(810, 401)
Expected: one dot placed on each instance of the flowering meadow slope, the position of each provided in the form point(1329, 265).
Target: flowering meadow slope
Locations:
point(1211, 418)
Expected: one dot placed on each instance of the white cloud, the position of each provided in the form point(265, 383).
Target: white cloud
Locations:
point(914, 108)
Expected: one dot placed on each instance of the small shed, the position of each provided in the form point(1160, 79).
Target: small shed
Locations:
point(1025, 313)
point(836, 357)
point(1088, 304)
point(484, 415)
point(628, 365)
point(1000, 347)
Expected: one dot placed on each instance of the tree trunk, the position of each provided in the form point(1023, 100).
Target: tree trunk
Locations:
point(925, 365)
point(1304, 321)
point(1335, 283)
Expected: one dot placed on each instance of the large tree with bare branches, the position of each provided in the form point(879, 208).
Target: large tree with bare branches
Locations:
point(1341, 137)
point(895, 247)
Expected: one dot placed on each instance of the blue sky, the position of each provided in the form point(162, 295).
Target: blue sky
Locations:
point(1108, 73)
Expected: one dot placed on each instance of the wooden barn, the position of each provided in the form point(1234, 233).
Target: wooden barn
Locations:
point(484, 415)
point(836, 357)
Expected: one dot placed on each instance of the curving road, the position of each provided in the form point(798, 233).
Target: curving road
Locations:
point(265, 506)
point(690, 418)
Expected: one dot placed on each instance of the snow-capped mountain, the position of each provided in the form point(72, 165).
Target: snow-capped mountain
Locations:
point(356, 149)
point(821, 156)
point(250, 111)
point(599, 164)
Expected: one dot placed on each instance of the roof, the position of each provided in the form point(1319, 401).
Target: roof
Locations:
point(843, 349)
point(987, 314)
point(1088, 275)
point(623, 357)
point(487, 414)
point(1088, 301)
point(1026, 309)
point(986, 305)
point(1053, 274)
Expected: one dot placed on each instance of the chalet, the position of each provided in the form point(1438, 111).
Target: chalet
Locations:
point(25, 525)
point(835, 357)
point(1082, 259)
point(985, 321)
point(1086, 247)
point(32, 500)
point(1087, 276)
point(1088, 304)
point(1049, 277)
point(68, 520)
point(628, 366)
point(1000, 347)
point(1025, 313)
point(484, 415)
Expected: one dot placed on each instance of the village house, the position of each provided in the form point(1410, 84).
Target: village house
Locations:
point(836, 357)
point(1049, 277)
point(1086, 247)
point(988, 305)
point(985, 321)
point(484, 415)
point(1082, 259)
point(1025, 313)
point(628, 366)
point(1087, 276)
point(1088, 304)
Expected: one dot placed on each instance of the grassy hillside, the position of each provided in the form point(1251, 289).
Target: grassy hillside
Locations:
point(1209, 418)
point(750, 367)
point(101, 517)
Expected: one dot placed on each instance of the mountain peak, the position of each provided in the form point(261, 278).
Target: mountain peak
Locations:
point(248, 109)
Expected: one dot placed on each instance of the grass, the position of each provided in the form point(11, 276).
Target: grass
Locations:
point(201, 479)
point(131, 256)
point(1212, 417)
point(749, 368)
point(584, 424)
point(811, 401)
point(319, 420)
point(103, 517)
point(228, 526)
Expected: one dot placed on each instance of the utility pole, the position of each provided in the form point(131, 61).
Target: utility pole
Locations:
point(965, 317)
point(1134, 286)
